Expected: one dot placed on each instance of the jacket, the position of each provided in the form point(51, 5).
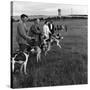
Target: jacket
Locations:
point(51, 29)
point(22, 36)
point(35, 32)
point(46, 31)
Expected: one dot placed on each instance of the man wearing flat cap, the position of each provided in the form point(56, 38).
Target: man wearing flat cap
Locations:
point(22, 37)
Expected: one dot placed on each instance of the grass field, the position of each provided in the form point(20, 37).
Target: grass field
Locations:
point(65, 66)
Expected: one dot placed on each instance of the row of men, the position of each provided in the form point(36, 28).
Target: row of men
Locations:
point(32, 37)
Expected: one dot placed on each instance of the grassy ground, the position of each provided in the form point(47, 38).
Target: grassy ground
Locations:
point(65, 66)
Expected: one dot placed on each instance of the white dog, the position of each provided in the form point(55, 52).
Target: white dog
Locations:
point(56, 39)
point(22, 62)
point(37, 50)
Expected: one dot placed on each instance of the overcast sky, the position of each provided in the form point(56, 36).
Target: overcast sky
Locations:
point(34, 8)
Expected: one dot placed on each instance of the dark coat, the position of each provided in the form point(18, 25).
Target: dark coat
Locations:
point(35, 32)
point(52, 30)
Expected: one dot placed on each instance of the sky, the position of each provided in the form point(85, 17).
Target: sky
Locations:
point(37, 8)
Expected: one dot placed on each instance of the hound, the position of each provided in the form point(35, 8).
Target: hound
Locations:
point(37, 50)
point(45, 45)
point(63, 27)
point(55, 38)
point(23, 61)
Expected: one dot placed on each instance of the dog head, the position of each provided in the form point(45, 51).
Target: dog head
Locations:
point(36, 49)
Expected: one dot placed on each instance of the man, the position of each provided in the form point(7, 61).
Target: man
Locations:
point(46, 37)
point(35, 32)
point(22, 36)
point(46, 30)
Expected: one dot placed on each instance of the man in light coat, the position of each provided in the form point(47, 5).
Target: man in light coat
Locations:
point(46, 30)
point(22, 37)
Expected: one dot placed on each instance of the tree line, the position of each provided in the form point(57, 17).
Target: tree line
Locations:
point(53, 18)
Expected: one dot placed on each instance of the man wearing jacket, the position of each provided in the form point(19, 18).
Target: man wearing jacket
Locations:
point(46, 30)
point(22, 37)
point(35, 32)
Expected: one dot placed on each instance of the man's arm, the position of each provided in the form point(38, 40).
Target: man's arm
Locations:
point(35, 30)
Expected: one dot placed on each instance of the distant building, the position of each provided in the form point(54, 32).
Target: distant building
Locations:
point(59, 13)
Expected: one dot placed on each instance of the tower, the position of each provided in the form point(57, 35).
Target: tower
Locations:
point(59, 13)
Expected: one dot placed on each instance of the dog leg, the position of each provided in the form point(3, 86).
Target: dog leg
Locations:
point(58, 44)
point(21, 69)
point(49, 47)
point(25, 68)
point(37, 57)
point(38, 54)
point(45, 53)
point(13, 63)
point(25, 63)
